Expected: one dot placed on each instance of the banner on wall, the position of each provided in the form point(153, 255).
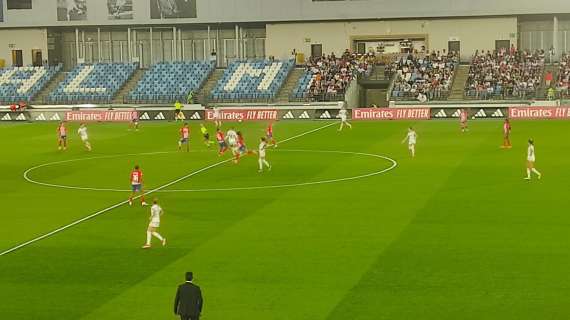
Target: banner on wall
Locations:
point(71, 10)
point(391, 114)
point(120, 9)
point(172, 9)
point(101, 115)
point(243, 114)
point(532, 113)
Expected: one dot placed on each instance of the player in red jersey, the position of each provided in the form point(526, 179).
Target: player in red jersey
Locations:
point(62, 136)
point(184, 137)
point(221, 139)
point(269, 135)
point(137, 185)
point(241, 148)
point(507, 134)
point(463, 120)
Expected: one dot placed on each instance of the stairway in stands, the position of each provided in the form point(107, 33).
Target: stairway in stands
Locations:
point(289, 85)
point(458, 87)
point(41, 97)
point(204, 94)
point(119, 98)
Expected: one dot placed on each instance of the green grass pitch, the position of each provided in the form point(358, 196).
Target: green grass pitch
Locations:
point(454, 234)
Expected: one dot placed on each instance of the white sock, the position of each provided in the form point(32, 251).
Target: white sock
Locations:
point(528, 173)
point(148, 237)
point(536, 171)
point(266, 163)
point(349, 125)
point(260, 164)
point(157, 235)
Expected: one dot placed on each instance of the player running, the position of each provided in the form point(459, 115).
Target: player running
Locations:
point(217, 118)
point(507, 134)
point(62, 136)
point(343, 114)
point(262, 162)
point(531, 158)
point(463, 120)
point(232, 137)
point(221, 141)
point(184, 137)
point(205, 134)
point(137, 185)
point(241, 148)
point(411, 137)
point(134, 123)
point(82, 131)
point(155, 213)
point(269, 135)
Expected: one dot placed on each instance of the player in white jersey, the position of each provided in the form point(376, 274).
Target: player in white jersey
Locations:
point(217, 120)
point(232, 138)
point(82, 131)
point(262, 149)
point(531, 158)
point(343, 114)
point(155, 214)
point(411, 137)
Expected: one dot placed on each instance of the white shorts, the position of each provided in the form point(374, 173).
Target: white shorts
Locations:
point(154, 224)
point(531, 159)
point(343, 119)
point(84, 139)
point(411, 145)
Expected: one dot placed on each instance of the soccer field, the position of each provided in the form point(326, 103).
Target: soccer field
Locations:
point(334, 231)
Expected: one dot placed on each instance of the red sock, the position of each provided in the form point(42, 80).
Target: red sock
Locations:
point(142, 199)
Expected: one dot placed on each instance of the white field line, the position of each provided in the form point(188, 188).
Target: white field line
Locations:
point(392, 162)
point(100, 212)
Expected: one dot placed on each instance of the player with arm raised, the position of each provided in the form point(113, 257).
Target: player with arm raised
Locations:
point(82, 131)
point(184, 137)
point(137, 185)
point(262, 150)
point(221, 141)
point(531, 158)
point(62, 136)
point(507, 134)
point(411, 137)
point(343, 115)
point(156, 213)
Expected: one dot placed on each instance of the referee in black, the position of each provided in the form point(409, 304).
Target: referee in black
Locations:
point(188, 302)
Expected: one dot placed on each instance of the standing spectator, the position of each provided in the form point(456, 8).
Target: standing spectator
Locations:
point(548, 78)
point(188, 301)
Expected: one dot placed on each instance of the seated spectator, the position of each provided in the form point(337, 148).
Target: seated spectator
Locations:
point(504, 74)
point(563, 79)
point(424, 76)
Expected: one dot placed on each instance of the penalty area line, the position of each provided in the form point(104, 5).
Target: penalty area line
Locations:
point(100, 212)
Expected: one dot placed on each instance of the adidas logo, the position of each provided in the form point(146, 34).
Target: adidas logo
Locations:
point(498, 114)
point(304, 115)
point(289, 115)
point(457, 113)
point(195, 116)
point(181, 116)
point(144, 116)
point(41, 117)
point(55, 117)
point(325, 115)
point(441, 114)
point(6, 117)
point(480, 114)
point(159, 116)
point(21, 117)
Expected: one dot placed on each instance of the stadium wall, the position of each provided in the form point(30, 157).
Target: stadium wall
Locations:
point(474, 34)
point(25, 40)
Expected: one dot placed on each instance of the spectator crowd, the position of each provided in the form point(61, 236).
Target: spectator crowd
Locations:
point(424, 77)
point(331, 75)
point(563, 80)
point(505, 73)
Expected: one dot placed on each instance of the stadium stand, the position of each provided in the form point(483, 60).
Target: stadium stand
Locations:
point(167, 82)
point(424, 76)
point(92, 83)
point(21, 84)
point(505, 74)
point(252, 80)
point(563, 80)
point(327, 77)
